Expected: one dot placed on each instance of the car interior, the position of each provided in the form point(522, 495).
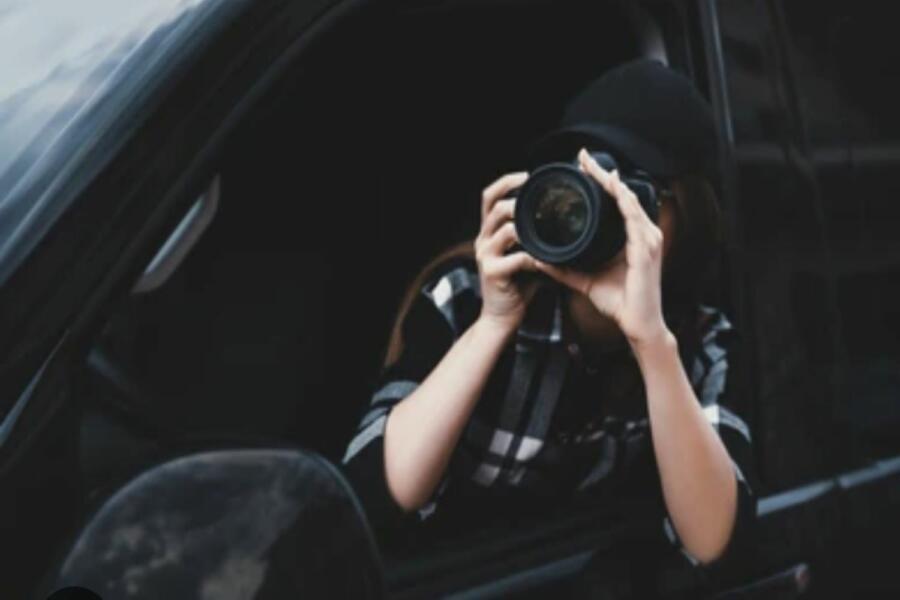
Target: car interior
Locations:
point(276, 322)
point(365, 160)
point(273, 327)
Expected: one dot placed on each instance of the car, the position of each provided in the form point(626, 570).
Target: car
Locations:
point(209, 210)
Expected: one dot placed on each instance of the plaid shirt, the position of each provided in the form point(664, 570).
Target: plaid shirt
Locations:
point(548, 420)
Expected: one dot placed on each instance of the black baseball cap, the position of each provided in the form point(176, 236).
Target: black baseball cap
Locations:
point(641, 111)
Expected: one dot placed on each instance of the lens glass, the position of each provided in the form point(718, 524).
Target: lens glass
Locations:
point(561, 212)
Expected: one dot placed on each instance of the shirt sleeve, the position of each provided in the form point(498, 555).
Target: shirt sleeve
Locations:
point(713, 378)
point(430, 328)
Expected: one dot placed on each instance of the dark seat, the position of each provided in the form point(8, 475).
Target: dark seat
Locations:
point(236, 525)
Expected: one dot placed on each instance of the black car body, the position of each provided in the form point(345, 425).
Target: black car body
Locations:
point(205, 214)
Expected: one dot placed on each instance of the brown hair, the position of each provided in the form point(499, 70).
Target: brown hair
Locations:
point(395, 344)
point(690, 264)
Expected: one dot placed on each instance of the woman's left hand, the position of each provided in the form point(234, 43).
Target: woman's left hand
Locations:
point(628, 289)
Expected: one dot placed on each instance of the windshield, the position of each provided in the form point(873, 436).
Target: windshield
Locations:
point(61, 62)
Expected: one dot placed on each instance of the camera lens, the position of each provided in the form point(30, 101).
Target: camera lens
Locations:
point(561, 212)
point(560, 216)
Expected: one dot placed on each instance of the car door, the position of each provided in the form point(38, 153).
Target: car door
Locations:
point(109, 135)
point(810, 135)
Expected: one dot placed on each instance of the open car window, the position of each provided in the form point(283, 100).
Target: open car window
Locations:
point(276, 322)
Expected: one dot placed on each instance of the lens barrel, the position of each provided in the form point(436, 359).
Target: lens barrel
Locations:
point(564, 217)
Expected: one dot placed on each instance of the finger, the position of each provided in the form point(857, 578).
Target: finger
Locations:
point(502, 239)
point(637, 246)
point(603, 177)
point(653, 240)
point(501, 212)
point(513, 263)
point(645, 244)
point(640, 242)
point(499, 189)
point(629, 203)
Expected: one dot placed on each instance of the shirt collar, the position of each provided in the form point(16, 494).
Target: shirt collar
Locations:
point(544, 319)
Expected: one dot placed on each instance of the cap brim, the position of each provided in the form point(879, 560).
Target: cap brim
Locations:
point(599, 136)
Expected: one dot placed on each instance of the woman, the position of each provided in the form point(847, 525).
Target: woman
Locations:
point(503, 390)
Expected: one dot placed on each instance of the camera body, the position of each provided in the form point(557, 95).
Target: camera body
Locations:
point(564, 216)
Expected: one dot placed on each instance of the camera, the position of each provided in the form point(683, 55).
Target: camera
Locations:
point(564, 216)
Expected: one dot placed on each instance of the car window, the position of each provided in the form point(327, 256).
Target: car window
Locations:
point(63, 56)
point(69, 72)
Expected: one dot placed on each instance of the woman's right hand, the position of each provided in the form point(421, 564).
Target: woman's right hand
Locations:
point(504, 297)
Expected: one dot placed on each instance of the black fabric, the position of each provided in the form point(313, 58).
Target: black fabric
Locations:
point(643, 111)
point(366, 474)
point(593, 451)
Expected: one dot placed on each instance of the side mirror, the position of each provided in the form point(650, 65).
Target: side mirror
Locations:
point(238, 524)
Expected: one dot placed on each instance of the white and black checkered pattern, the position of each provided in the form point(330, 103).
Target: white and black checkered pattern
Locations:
point(514, 438)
